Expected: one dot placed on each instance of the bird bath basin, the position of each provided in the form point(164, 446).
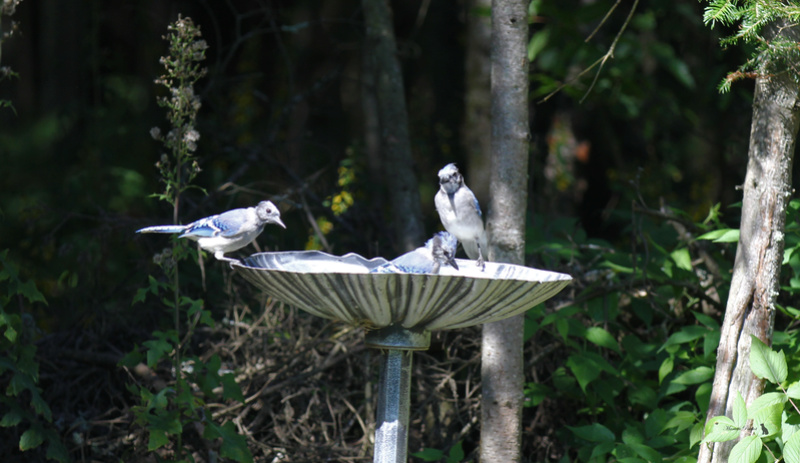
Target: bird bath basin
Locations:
point(398, 311)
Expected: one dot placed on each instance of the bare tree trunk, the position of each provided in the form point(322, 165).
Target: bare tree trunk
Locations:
point(398, 163)
point(501, 356)
point(477, 124)
point(767, 189)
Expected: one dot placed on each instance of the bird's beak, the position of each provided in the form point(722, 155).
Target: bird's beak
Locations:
point(452, 262)
point(279, 222)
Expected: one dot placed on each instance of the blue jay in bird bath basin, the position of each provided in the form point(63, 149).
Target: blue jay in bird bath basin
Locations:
point(439, 250)
point(225, 232)
point(460, 213)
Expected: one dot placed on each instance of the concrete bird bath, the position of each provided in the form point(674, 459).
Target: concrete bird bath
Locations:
point(399, 311)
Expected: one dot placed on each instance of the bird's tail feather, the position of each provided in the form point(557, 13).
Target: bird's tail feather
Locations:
point(163, 229)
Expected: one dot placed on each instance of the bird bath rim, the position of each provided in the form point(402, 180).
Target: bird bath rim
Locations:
point(341, 288)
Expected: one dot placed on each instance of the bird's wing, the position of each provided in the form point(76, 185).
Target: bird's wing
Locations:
point(206, 227)
point(228, 224)
point(416, 261)
point(474, 201)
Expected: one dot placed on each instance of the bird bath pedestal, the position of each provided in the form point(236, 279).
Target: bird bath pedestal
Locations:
point(399, 311)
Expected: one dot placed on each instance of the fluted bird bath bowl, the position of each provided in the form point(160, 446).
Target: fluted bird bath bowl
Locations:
point(398, 311)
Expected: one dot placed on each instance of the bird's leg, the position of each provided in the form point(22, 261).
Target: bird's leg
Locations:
point(436, 266)
point(219, 255)
point(480, 262)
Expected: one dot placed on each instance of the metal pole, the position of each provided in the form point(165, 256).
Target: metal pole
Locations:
point(394, 394)
point(394, 389)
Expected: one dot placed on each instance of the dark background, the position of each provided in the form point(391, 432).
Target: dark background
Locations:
point(282, 114)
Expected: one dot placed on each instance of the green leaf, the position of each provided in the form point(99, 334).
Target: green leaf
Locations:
point(456, 453)
point(647, 453)
point(791, 451)
point(31, 439)
point(12, 418)
point(739, 411)
point(767, 420)
point(686, 334)
point(696, 434)
point(695, 376)
point(766, 363)
point(682, 259)
point(234, 445)
point(602, 338)
point(156, 350)
point(593, 433)
point(721, 429)
point(765, 400)
point(56, 449)
point(230, 388)
point(794, 390)
point(666, 368)
point(680, 421)
point(746, 451)
point(429, 454)
point(728, 235)
point(29, 291)
point(537, 43)
point(587, 366)
point(158, 438)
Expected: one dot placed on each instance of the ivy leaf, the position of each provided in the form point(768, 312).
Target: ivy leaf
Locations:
point(766, 363)
point(739, 411)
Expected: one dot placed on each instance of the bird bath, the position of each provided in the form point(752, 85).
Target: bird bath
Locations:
point(398, 311)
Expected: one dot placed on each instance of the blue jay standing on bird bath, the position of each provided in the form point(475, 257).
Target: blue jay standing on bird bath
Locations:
point(460, 213)
point(439, 250)
point(225, 232)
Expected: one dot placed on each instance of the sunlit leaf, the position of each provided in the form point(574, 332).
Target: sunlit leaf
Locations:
point(746, 451)
point(766, 363)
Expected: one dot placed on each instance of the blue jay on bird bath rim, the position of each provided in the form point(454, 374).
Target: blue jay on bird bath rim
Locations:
point(225, 232)
point(439, 250)
point(460, 213)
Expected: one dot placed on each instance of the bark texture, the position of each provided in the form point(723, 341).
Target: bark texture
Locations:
point(501, 357)
point(397, 162)
point(767, 190)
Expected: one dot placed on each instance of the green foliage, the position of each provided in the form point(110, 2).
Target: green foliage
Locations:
point(19, 369)
point(770, 423)
point(454, 455)
point(639, 343)
point(751, 17)
point(167, 413)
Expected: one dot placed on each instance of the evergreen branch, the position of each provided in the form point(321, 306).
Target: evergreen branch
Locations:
point(724, 12)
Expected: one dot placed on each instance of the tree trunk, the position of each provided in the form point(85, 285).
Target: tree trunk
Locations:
point(501, 357)
point(767, 189)
point(398, 164)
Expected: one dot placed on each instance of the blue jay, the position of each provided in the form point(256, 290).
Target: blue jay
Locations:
point(225, 232)
point(460, 213)
point(439, 250)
